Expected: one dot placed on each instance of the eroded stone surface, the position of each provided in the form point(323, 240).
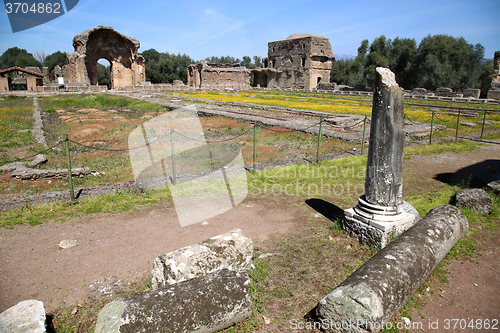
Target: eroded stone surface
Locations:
point(25, 317)
point(127, 66)
point(203, 75)
point(494, 92)
point(385, 283)
point(384, 170)
point(204, 304)
point(475, 199)
point(380, 214)
point(231, 250)
point(299, 62)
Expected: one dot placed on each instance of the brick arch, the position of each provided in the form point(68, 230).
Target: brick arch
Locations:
point(101, 42)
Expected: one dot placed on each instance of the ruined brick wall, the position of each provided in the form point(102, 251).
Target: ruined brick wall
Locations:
point(216, 76)
point(127, 66)
point(299, 62)
point(494, 92)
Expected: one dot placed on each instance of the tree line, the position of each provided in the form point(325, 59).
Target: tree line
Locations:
point(437, 61)
point(166, 67)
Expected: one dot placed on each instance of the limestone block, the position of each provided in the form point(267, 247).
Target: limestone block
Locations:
point(494, 186)
point(230, 250)
point(379, 288)
point(204, 304)
point(25, 317)
point(474, 93)
point(475, 199)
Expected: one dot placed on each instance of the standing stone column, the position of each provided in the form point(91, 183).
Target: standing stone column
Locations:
point(380, 212)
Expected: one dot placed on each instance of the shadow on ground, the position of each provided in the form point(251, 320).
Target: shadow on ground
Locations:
point(475, 175)
point(328, 210)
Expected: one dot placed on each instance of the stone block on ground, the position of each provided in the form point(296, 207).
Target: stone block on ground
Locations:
point(25, 317)
point(475, 199)
point(494, 186)
point(204, 304)
point(231, 250)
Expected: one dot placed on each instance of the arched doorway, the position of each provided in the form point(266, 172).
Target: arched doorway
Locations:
point(104, 73)
point(101, 42)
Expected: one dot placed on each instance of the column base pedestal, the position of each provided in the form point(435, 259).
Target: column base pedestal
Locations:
point(378, 225)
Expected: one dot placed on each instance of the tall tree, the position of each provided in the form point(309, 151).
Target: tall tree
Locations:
point(485, 76)
point(56, 58)
point(378, 56)
point(445, 61)
point(402, 61)
point(257, 61)
point(18, 57)
point(166, 67)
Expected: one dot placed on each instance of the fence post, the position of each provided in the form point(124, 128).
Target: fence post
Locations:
point(70, 178)
point(174, 174)
point(254, 145)
point(458, 124)
point(364, 136)
point(319, 138)
point(432, 125)
point(484, 121)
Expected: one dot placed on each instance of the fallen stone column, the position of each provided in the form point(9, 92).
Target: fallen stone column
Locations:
point(368, 298)
point(204, 304)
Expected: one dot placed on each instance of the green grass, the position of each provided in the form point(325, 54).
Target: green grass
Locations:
point(108, 203)
point(441, 148)
point(99, 101)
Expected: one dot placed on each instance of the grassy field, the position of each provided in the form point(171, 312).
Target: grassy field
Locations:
point(318, 257)
point(15, 122)
point(321, 255)
point(343, 104)
point(100, 126)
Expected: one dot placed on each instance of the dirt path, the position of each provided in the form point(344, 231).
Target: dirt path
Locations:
point(115, 250)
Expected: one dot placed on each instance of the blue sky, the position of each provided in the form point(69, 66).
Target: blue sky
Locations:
point(217, 28)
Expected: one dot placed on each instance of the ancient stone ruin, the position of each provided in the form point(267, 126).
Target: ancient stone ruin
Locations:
point(102, 42)
point(381, 212)
point(215, 76)
point(380, 287)
point(494, 92)
point(299, 62)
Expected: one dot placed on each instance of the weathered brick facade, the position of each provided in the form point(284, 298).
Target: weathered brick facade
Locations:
point(101, 42)
point(299, 62)
point(214, 76)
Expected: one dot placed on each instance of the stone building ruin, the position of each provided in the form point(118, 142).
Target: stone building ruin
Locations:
point(494, 92)
point(102, 42)
point(299, 62)
point(215, 76)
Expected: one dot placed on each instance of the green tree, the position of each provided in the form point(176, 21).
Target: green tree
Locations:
point(350, 71)
point(222, 60)
point(247, 62)
point(166, 67)
point(380, 50)
point(402, 61)
point(257, 61)
point(151, 58)
point(485, 75)
point(18, 57)
point(445, 61)
point(56, 58)
point(104, 75)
